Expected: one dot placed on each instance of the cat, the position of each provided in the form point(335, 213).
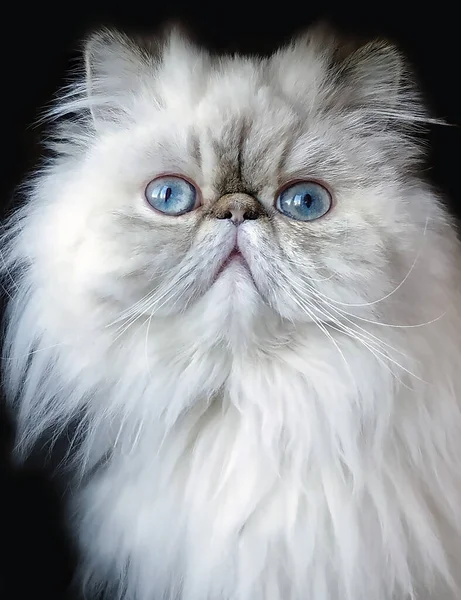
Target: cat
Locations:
point(233, 282)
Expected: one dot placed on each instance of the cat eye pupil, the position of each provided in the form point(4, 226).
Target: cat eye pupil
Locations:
point(166, 192)
point(301, 199)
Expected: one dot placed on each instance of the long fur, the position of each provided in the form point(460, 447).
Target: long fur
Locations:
point(287, 435)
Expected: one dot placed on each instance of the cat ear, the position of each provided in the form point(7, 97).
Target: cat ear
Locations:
point(376, 69)
point(113, 67)
point(375, 77)
point(376, 82)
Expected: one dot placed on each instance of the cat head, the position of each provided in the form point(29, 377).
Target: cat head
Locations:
point(280, 184)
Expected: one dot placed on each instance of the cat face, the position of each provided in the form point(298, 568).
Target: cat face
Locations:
point(282, 183)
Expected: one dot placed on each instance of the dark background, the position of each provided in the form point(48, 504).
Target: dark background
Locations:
point(39, 44)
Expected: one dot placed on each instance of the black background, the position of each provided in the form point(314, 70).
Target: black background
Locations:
point(39, 43)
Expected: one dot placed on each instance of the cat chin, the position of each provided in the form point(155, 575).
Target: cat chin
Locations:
point(233, 297)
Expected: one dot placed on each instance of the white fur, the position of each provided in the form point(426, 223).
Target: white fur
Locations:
point(291, 435)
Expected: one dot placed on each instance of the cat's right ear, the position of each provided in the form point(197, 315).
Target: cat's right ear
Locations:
point(113, 67)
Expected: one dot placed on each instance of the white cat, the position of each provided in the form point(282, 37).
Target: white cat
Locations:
point(233, 279)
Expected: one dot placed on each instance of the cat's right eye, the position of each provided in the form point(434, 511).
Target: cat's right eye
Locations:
point(172, 195)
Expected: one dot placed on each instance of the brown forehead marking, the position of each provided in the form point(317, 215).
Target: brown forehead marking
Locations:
point(193, 146)
point(230, 175)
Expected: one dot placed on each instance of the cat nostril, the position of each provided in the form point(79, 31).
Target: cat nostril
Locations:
point(238, 215)
point(225, 215)
point(250, 215)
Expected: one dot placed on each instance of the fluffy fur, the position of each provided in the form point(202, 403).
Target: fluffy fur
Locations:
point(289, 433)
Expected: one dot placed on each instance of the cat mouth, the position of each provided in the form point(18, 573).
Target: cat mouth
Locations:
point(234, 257)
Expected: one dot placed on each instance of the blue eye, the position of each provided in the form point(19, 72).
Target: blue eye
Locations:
point(304, 201)
point(171, 195)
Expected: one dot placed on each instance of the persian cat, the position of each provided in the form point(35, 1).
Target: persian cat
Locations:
point(233, 285)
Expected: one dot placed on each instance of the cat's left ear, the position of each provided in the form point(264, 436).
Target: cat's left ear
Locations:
point(375, 72)
point(114, 65)
point(377, 81)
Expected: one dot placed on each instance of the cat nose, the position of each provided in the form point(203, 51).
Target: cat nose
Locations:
point(237, 208)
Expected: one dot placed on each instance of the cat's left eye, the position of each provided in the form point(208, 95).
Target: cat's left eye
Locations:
point(304, 201)
point(172, 195)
